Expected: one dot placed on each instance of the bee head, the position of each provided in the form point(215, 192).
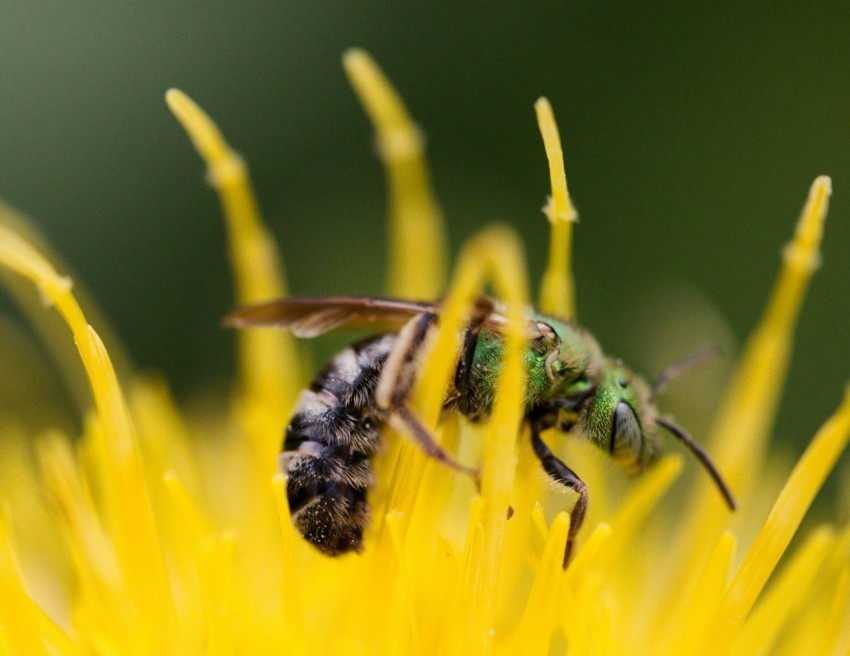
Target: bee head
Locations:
point(620, 417)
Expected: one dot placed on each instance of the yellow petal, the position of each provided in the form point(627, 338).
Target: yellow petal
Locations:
point(778, 529)
point(787, 596)
point(693, 608)
point(417, 258)
point(746, 415)
point(268, 359)
point(557, 290)
point(293, 610)
point(20, 632)
point(132, 528)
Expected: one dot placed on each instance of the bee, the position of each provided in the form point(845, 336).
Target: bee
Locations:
point(335, 429)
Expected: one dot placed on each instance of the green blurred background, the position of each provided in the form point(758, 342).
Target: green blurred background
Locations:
point(692, 132)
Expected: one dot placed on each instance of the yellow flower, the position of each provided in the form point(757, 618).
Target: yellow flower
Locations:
point(167, 532)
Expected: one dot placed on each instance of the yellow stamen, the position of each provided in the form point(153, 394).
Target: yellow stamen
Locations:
point(837, 634)
point(417, 258)
point(500, 448)
point(269, 386)
point(590, 552)
point(557, 289)
point(125, 492)
point(164, 437)
point(640, 503)
point(457, 636)
point(779, 528)
point(20, 632)
point(52, 333)
point(293, 611)
point(493, 255)
point(787, 596)
point(453, 571)
point(535, 629)
point(689, 618)
point(747, 413)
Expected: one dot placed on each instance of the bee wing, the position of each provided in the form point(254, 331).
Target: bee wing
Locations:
point(312, 316)
point(309, 317)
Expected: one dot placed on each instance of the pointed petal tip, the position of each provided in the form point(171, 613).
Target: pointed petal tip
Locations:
point(824, 181)
point(804, 249)
point(355, 56)
point(179, 103)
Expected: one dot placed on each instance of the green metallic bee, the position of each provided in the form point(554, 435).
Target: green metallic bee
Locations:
point(336, 427)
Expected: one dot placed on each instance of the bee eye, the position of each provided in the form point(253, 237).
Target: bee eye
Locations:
point(626, 435)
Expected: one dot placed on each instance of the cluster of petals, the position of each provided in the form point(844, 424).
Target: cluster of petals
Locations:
point(159, 531)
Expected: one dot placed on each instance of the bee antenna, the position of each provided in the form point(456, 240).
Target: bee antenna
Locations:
point(683, 366)
point(702, 456)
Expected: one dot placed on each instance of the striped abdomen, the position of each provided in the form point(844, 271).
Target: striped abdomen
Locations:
point(329, 442)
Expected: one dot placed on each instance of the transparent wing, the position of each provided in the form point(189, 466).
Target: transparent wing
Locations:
point(313, 316)
point(309, 317)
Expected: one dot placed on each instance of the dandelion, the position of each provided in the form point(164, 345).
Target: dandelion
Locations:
point(157, 531)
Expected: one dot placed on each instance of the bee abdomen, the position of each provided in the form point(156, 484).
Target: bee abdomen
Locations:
point(327, 478)
point(328, 508)
point(316, 466)
point(353, 374)
point(329, 441)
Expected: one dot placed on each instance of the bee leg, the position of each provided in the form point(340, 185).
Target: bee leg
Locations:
point(401, 369)
point(396, 384)
point(405, 421)
point(565, 476)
